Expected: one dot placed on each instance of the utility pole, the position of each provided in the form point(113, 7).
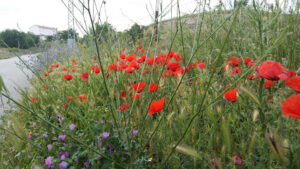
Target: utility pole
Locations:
point(71, 27)
point(156, 21)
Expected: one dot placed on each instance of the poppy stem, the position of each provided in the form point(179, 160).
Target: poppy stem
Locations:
point(261, 100)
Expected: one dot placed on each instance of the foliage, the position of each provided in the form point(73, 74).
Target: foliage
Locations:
point(16, 39)
point(196, 98)
point(135, 32)
point(64, 35)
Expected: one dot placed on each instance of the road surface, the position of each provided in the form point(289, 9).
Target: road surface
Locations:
point(13, 77)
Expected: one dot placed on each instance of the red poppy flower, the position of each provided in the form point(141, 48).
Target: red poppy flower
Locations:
point(271, 70)
point(122, 64)
point(236, 70)
point(136, 96)
point(173, 66)
point(95, 69)
point(167, 73)
point(231, 95)
point(235, 61)
point(138, 87)
point(156, 106)
point(68, 77)
point(123, 94)
point(57, 65)
point(131, 57)
point(112, 67)
point(179, 71)
point(268, 84)
point(164, 60)
point(122, 56)
point(74, 62)
point(139, 47)
point(153, 87)
point(141, 59)
point(70, 98)
point(171, 54)
point(51, 66)
point(46, 87)
point(177, 57)
point(129, 70)
point(150, 61)
point(294, 83)
point(134, 64)
point(237, 160)
point(250, 77)
point(139, 42)
point(45, 74)
point(122, 108)
point(82, 97)
point(95, 58)
point(247, 61)
point(65, 106)
point(201, 65)
point(73, 70)
point(291, 106)
point(126, 105)
point(33, 99)
point(292, 73)
point(142, 50)
point(85, 76)
point(64, 69)
point(158, 60)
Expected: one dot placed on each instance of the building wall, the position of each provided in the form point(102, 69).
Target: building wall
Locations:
point(42, 31)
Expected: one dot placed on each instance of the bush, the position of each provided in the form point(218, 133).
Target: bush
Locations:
point(16, 39)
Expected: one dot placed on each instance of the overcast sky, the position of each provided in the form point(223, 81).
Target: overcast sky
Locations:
point(21, 14)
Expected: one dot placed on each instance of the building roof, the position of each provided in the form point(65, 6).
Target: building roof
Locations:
point(45, 27)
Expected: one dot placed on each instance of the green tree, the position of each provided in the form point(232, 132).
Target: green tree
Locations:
point(104, 32)
point(16, 39)
point(135, 32)
point(64, 34)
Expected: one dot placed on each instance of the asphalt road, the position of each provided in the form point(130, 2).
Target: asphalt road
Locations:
point(14, 77)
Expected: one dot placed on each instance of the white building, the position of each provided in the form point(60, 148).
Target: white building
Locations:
point(43, 31)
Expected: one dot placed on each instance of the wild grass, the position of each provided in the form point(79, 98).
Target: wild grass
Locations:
point(197, 127)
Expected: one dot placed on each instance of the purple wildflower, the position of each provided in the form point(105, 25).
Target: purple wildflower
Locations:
point(87, 164)
point(30, 155)
point(62, 157)
point(62, 137)
point(110, 147)
point(45, 135)
point(102, 121)
point(54, 138)
point(72, 126)
point(63, 165)
point(99, 143)
point(99, 156)
point(60, 118)
point(105, 135)
point(49, 146)
point(67, 154)
point(29, 137)
point(134, 132)
point(48, 162)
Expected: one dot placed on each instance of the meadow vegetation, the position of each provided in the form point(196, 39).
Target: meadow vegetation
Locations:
point(216, 89)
